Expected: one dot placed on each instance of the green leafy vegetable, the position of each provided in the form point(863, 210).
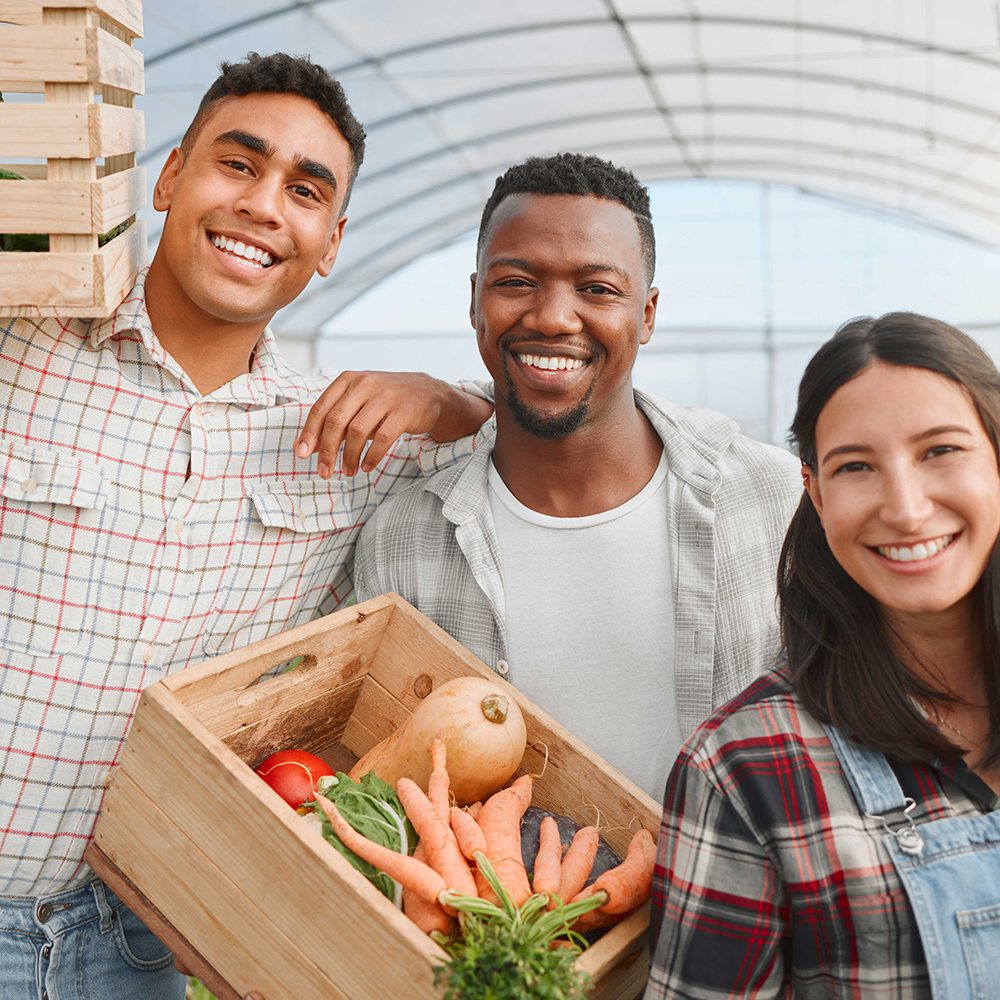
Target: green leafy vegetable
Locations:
point(505, 952)
point(371, 807)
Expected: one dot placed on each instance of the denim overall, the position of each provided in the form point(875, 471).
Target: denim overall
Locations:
point(950, 869)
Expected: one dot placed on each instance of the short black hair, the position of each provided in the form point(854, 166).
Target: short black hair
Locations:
point(281, 73)
point(579, 174)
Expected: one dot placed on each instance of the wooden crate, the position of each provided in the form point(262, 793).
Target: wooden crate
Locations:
point(79, 55)
point(251, 898)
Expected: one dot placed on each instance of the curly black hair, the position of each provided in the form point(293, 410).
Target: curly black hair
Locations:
point(281, 73)
point(577, 173)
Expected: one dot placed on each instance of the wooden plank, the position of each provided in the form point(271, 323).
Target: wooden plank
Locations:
point(46, 206)
point(116, 197)
point(47, 53)
point(246, 946)
point(258, 843)
point(80, 131)
point(117, 64)
point(21, 11)
point(127, 14)
point(46, 284)
point(118, 263)
point(182, 949)
point(356, 631)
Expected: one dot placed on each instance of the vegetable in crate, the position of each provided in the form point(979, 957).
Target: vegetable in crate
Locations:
point(293, 775)
point(481, 726)
point(372, 808)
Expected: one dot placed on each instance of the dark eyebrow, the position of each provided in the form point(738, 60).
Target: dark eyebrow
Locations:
point(252, 142)
point(525, 265)
point(262, 147)
point(863, 449)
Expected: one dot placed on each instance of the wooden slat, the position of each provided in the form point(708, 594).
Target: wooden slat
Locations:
point(249, 948)
point(127, 14)
point(47, 206)
point(118, 196)
point(61, 283)
point(46, 53)
point(118, 264)
point(355, 630)
point(69, 131)
point(117, 64)
point(259, 844)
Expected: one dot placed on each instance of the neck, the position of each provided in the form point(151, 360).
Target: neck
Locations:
point(945, 651)
point(594, 469)
point(212, 351)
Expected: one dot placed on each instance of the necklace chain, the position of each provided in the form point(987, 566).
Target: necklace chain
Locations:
point(935, 717)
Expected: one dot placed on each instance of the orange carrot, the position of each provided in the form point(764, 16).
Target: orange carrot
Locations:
point(630, 883)
point(500, 821)
point(437, 783)
point(427, 916)
point(548, 860)
point(577, 862)
point(410, 873)
point(468, 833)
point(443, 852)
point(474, 809)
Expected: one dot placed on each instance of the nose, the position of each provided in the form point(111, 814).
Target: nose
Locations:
point(906, 503)
point(553, 312)
point(261, 200)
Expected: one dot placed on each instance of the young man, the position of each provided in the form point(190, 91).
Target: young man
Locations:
point(153, 510)
point(610, 553)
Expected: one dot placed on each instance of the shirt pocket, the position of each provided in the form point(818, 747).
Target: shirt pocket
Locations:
point(51, 511)
point(293, 560)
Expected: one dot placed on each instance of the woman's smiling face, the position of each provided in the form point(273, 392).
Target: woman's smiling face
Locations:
point(907, 487)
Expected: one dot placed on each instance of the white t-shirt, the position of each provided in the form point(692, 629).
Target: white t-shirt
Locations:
point(589, 624)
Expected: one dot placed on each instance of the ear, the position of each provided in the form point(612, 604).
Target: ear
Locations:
point(472, 299)
point(326, 261)
point(163, 192)
point(811, 486)
point(649, 315)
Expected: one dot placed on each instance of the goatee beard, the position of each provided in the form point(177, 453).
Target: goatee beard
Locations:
point(547, 428)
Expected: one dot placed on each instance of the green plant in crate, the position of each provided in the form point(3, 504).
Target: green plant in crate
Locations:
point(195, 991)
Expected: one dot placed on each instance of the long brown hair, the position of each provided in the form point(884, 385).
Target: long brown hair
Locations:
point(839, 653)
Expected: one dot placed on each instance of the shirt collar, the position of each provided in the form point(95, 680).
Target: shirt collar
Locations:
point(269, 382)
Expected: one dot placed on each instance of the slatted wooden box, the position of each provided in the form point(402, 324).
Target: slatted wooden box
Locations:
point(250, 897)
point(79, 55)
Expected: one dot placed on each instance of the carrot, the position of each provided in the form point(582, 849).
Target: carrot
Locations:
point(468, 833)
point(443, 853)
point(427, 916)
point(437, 783)
point(578, 862)
point(500, 821)
point(410, 873)
point(548, 860)
point(630, 883)
point(474, 809)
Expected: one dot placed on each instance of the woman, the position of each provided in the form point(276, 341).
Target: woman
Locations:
point(834, 830)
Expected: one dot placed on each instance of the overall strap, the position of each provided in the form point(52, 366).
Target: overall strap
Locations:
point(874, 783)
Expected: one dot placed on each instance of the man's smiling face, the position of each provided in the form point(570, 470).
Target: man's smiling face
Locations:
point(560, 306)
point(253, 206)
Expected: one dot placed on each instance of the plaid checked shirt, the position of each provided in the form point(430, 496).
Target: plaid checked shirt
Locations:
point(144, 527)
point(769, 881)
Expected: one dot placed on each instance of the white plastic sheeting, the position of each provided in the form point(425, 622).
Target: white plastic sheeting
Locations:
point(889, 103)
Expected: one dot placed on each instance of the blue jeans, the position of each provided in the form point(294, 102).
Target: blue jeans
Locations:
point(83, 944)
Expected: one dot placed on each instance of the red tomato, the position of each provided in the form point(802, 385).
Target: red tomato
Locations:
point(293, 774)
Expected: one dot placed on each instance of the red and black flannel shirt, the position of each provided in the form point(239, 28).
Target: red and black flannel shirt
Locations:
point(769, 881)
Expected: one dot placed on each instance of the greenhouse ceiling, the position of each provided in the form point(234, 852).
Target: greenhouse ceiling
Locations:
point(894, 105)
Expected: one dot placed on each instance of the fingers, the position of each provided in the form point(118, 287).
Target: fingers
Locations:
point(312, 429)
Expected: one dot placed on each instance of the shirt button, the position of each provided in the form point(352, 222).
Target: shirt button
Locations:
point(44, 912)
point(148, 652)
point(502, 668)
point(46, 951)
point(29, 485)
point(177, 527)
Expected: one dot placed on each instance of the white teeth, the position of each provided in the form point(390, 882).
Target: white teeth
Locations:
point(912, 553)
point(246, 251)
point(548, 362)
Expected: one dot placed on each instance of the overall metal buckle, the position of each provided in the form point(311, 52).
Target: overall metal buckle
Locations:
point(907, 837)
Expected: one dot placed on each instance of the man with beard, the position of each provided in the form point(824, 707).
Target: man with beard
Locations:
point(610, 553)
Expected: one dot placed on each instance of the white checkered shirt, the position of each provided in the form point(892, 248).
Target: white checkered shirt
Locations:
point(144, 527)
